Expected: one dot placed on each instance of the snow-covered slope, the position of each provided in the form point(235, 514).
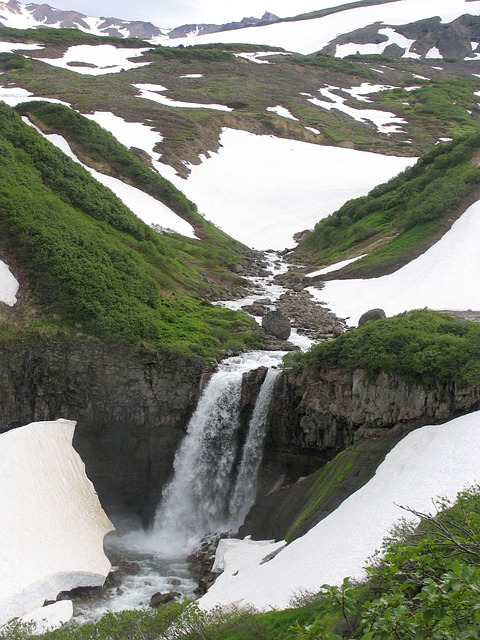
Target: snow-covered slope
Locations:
point(30, 16)
point(51, 523)
point(444, 277)
point(430, 462)
point(261, 190)
point(308, 36)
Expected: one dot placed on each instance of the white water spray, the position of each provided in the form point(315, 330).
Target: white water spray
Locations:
point(198, 500)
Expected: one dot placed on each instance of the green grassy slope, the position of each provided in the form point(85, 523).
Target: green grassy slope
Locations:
point(92, 265)
point(400, 219)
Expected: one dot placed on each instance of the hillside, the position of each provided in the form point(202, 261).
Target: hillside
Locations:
point(90, 264)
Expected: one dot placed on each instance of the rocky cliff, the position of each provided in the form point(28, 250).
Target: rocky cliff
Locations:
point(316, 413)
point(131, 407)
point(318, 410)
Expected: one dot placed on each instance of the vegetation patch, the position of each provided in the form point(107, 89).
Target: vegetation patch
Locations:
point(92, 265)
point(424, 347)
point(402, 216)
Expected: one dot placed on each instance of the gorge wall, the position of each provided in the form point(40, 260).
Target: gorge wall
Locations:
point(315, 414)
point(131, 406)
point(318, 410)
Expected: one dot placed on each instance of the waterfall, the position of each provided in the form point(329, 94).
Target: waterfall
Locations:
point(204, 496)
point(243, 495)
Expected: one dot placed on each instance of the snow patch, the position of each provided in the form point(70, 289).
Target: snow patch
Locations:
point(151, 92)
point(51, 523)
point(10, 47)
point(15, 95)
point(393, 37)
point(282, 111)
point(384, 121)
point(131, 134)
point(9, 285)
point(334, 267)
point(48, 618)
point(103, 58)
point(193, 75)
point(432, 461)
point(431, 280)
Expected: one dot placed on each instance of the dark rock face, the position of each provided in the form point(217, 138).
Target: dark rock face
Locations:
point(318, 410)
point(372, 314)
point(131, 407)
point(278, 325)
point(453, 40)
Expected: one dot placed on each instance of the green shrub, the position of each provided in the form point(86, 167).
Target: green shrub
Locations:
point(419, 346)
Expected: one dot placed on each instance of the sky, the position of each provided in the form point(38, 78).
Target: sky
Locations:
point(173, 13)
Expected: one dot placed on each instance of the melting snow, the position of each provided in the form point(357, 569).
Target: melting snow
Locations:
point(193, 75)
point(261, 190)
point(282, 111)
point(151, 92)
point(430, 462)
point(103, 58)
point(385, 121)
point(51, 523)
point(130, 134)
point(393, 37)
point(8, 285)
point(432, 280)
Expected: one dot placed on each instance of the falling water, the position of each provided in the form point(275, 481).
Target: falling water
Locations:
point(243, 495)
point(198, 499)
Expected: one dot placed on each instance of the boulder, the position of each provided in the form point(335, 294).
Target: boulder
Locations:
point(163, 598)
point(372, 314)
point(276, 324)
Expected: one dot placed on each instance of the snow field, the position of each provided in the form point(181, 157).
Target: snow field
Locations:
point(433, 461)
point(444, 277)
point(261, 190)
point(307, 36)
point(51, 523)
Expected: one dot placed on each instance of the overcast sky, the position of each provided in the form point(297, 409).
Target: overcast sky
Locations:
point(173, 13)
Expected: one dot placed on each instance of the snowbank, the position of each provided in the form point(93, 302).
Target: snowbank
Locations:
point(430, 462)
point(261, 190)
point(8, 285)
point(51, 523)
point(444, 277)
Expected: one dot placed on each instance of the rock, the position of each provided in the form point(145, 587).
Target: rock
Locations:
point(163, 598)
point(372, 314)
point(276, 324)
